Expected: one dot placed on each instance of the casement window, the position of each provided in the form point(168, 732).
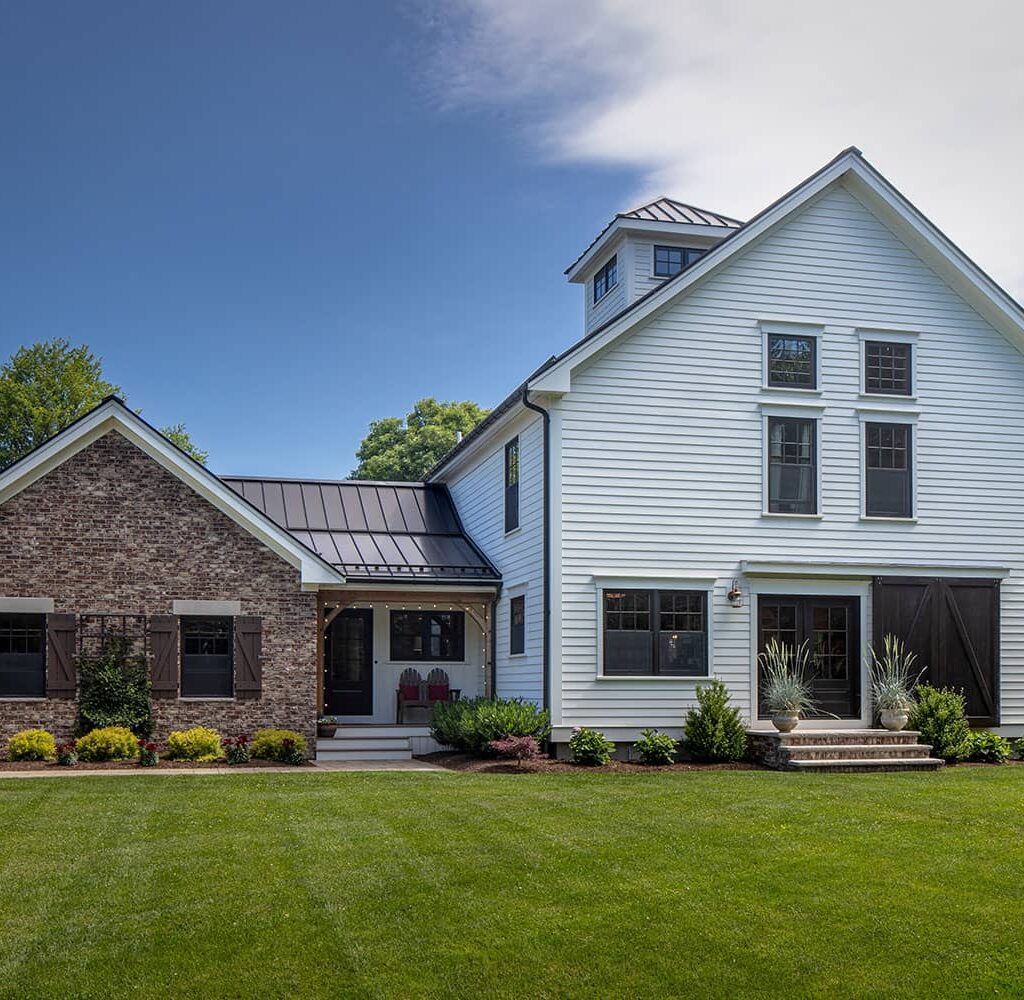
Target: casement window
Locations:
point(517, 625)
point(512, 485)
point(792, 361)
point(606, 279)
point(207, 661)
point(888, 470)
point(888, 368)
point(669, 261)
point(428, 635)
point(655, 632)
point(22, 656)
point(792, 466)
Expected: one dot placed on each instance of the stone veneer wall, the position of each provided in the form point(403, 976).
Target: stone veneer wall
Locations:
point(112, 531)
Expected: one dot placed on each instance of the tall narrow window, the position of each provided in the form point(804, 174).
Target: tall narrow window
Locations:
point(512, 485)
point(606, 279)
point(517, 625)
point(22, 656)
point(887, 368)
point(207, 657)
point(792, 362)
point(661, 632)
point(792, 466)
point(888, 476)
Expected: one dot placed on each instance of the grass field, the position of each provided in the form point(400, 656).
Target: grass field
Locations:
point(723, 884)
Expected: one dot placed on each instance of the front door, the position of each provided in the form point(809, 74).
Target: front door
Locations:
point(348, 663)
point(831, 628)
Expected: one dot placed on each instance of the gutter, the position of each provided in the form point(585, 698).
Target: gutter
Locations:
point(546, 690)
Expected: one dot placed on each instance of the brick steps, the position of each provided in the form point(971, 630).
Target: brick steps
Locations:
point(842, 750)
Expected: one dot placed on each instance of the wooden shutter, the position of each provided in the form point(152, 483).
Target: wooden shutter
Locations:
point(61, 675)
point(163, 651)
point(248, 656)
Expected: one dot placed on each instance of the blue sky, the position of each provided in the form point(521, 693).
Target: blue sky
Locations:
point(276, 222)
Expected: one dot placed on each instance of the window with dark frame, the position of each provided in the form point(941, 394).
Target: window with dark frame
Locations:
point(792, 466)
point(606, 279)
point(428, 635)
point(207, 656)
point(888, 464)
point(512, 485)
point(655, 632)
point(792, 361)
point(22, 656)
point(517, 625)
point(670, 261)
point(887, 368)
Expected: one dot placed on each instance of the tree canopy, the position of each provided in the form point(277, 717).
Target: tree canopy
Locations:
point(405, 449)
point(46, 386)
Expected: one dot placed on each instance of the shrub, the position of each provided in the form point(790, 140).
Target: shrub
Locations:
point(989, 748)
point(32, 744)
point(474, 724)
point(67, 755)
point(590, 748)
point(714, 732)
point(1018, 748)
point(115, 689)
point(198, 743)
point(517, 748)
point(939, 716)
point(148, 757)
point(282, 745)
point(108, 743)
point(655, 748)
point(237, 750)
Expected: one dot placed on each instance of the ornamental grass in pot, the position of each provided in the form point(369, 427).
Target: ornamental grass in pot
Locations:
point(785, 683)
point(893, 682)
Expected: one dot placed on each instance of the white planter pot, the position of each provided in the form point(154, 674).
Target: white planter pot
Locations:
point(785, 722)
point(893, 719)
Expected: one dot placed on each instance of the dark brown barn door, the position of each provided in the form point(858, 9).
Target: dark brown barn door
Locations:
point(953, 627)
point(348, 663)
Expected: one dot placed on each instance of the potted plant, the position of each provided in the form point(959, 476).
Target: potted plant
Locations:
point(892, 686)
point(785, 687)
point(326, 727)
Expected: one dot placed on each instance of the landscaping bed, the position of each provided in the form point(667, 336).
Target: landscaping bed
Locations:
point(544, 765)
point(133, 765)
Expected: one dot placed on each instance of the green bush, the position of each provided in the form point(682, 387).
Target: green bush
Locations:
point(198, 743)
point(1018, 748)
point(590, 748)
point(115, 689)
point(655, 748)
point(714, 732)
point(282, 745)
point(474, 724)
point(32, 744)
point(940, 718)
point(989, 748)
point(108, 743)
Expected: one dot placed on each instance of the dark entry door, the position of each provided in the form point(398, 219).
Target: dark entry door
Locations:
point(831, 628)
point(953, 627)
point(348, 663)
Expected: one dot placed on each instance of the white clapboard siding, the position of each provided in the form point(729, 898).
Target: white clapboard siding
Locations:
point(479, 495)
point(661, 448)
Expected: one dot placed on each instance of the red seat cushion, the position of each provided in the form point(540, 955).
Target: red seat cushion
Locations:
point(409, 692)
point(437, 692)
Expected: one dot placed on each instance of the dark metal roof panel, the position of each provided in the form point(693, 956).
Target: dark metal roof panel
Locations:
point(670, 210)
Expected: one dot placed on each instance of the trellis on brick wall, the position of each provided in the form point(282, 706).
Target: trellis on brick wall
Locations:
point(95, 629)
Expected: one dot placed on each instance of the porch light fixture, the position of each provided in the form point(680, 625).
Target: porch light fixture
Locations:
point(735, 595)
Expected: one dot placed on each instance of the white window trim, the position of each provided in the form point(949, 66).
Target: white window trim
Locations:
point(802, 411)
point(794, 329)
point(706, 584)
point(881, 335)
point(518, 590)
point(518, 438)
point(880, 415)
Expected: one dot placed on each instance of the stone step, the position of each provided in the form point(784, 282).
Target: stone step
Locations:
point(363, 743)
point(844, 751)
point(364, 754)
point(846, 737)
point(865, 765)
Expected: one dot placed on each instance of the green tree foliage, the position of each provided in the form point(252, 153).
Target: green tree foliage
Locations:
point(405, 450)
point(177, 434)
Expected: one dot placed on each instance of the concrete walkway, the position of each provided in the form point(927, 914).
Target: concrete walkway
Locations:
point(323, 767)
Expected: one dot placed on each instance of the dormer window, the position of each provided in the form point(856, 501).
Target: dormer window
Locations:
point(669, 261)
point(606, 279)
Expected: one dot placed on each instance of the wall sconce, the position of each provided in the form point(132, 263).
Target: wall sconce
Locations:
point(735, 596)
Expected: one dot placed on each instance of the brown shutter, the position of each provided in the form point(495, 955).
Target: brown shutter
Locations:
point(248, 656)
point(61, 675)
point(163, 648)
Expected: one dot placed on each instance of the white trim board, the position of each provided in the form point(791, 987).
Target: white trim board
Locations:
point(854, 570)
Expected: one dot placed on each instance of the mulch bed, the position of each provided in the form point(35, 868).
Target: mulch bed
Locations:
point(544, 765)
point(133, 765)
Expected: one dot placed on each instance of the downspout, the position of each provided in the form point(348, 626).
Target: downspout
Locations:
point(547, 546)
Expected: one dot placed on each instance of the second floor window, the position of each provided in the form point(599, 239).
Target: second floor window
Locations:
point(792, 361)
point(512, 485)
point(888, 485)
point(887, 368)
point(669, 261)
point(606, 279)
point(792, 466)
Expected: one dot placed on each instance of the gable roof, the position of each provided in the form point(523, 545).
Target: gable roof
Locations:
point(113, 415)
point(669, 210)
point(370, 531)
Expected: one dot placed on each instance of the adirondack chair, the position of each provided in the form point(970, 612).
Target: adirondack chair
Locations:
point(411, 693)
point(438, 688)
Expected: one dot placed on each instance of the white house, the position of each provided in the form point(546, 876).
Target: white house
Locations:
point(809, 426)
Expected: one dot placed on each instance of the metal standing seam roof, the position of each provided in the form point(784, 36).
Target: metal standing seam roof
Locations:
point(373, 531)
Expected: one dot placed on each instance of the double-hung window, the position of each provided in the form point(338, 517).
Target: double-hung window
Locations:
point(207, 660)
point(888, 368)
point(655, 632)
point(512, 485)
point(792, 465)
point(606, 279)
point(888, 470)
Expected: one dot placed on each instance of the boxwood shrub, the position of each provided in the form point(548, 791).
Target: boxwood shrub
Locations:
point(940, 718)
point(474, 724)
point(281, 745)
point(107, 743)
point(198, 743)
point(714, 731)
point(32, 744)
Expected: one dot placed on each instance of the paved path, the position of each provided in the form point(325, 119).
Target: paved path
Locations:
point(323, 767)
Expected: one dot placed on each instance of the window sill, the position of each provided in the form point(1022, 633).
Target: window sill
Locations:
point(653, 677)
point(515, 531)
point(517, 656)
point(791, 390)
point(888, 395)
point(871, 518)
point(792, 517)
point(597, 302)
point(199, 698)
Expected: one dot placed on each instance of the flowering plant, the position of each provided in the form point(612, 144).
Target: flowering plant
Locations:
point(517, 748)
point(148, 756)
point(67, 754)
point(237, 751)
point(290, 752)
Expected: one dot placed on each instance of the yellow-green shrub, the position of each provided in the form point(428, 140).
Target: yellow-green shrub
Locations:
point(32, 744)
point(108, 743)
point(282, 745)
point(199, 743)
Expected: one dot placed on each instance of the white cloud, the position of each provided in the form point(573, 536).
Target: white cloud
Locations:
point(729, 104)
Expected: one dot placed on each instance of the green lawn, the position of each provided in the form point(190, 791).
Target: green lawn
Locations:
point(453, 885)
